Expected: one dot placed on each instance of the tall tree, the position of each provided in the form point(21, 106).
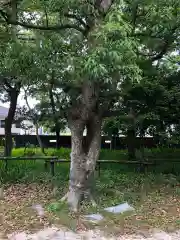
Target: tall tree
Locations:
point(107, 42)
point(15, 58)
point(13, 74)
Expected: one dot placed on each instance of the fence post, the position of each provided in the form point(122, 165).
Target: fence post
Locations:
point(52, 167)
point(98, 168)
point(45, 165)
point(6, 165)
point(142, 167)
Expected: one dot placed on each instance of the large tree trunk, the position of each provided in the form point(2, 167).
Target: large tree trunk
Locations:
point(83, 159)
point(9, 121)
point(84, 114)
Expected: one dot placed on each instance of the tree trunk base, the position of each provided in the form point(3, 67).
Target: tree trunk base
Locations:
point(64, 198)
point(88, 197)
point(93, 202)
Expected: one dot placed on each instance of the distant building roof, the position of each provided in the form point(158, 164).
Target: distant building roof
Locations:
point(3, 111)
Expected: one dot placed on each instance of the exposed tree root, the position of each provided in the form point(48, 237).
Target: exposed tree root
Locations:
point(94, 204)
point(90, 197)
point(1, 193)
point(63, 199)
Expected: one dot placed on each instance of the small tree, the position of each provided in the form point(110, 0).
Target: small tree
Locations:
point(51, 107)
point(34, 116)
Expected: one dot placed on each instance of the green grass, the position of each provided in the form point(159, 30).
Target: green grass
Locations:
point(104, 153)
point(166, 155)
point(154, 194)
point(65, 153)
point(26, 183)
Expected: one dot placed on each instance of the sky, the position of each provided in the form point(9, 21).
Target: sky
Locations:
point(21, 101)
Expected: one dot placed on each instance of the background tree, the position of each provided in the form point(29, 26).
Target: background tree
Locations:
point(14, 70)
point(16, 57)
point(48, 91)
point(34, 116)
point(52, 112)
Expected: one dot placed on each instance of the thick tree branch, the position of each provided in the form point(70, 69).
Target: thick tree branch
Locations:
point(114, 113)
point(7, 84)
point(168, 40)
point(3, 86)
point(27, 39)
point(74, 16)
point(5, 3)
point(26, 99)
point(104, 5)
point(134, 17)
point(18, 85)
point(49, 28)
point(162, 53)
point(46, 17)
point(146, 35)
point(39, 27)
point(4, 15)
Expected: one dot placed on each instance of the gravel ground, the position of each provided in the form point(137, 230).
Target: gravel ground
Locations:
point(57, 234)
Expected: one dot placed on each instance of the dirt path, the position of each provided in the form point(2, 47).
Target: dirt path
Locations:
point(57, 234)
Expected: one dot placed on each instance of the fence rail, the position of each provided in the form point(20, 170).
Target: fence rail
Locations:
point(52, 160)
point(45, 158)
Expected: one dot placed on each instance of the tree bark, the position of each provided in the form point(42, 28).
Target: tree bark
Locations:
point(35, 123)
point(39, 139)
point(84, 114)
point(83, 159)
point(13, 94)
point(57, 137)
point(53, 106)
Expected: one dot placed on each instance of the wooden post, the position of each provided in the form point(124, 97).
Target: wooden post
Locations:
point(145, 167)
point(99, 168)
point(6, 165)
point(52, 167)
point(142, 167)
point(46, 165)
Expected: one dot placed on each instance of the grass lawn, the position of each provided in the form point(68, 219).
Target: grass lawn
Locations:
point(156, 198)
